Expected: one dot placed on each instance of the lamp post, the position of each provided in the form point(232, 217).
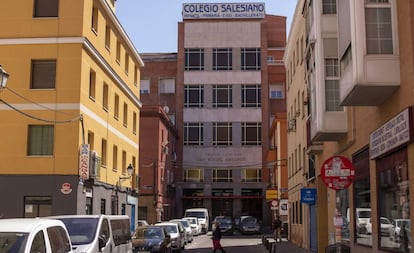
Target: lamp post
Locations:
point(3, 77)
point(130, 170)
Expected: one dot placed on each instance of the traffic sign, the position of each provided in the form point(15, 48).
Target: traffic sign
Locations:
point(337, 172)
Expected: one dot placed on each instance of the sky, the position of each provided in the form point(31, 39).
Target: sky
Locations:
point(152, 25)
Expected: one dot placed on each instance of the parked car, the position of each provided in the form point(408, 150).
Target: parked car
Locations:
point(249, 225)
point(98, 233)
point(395, 231)
point(153, 239)
point(188, 231)
point(141, 223)
point(226, 224)
point(195, 226)
point(26, 235)
point(202, 216)
point(177, 233)
point(385, 225)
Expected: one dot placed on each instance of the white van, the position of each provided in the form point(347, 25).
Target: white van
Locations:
point(202, 216)
point(98, 233)
point(27, 235)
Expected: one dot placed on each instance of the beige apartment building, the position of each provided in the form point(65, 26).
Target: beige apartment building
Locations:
point(358, 91)
point(70, 110)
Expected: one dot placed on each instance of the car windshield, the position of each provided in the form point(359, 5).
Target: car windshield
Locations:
point(224, 220)
point(249, 219)
point(171, 229)
point(81, 230)
point(192, 221)
point(149, 233)
point(199, 215)
point(364, 214)
point(385, 221)
point(12, 242)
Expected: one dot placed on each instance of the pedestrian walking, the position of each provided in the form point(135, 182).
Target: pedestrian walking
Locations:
point(277, 225)
point(216, 238)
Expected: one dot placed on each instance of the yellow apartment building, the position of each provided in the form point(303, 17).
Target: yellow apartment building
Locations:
point(70, 110)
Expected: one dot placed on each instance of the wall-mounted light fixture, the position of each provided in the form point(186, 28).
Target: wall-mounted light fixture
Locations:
point(130, 171)
point(3, 77)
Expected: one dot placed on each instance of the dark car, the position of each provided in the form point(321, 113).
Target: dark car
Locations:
point(250, 225)
point(154, 239)
point(226, 224)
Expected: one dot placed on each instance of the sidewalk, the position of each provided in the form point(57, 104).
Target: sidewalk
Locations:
point(280, 247)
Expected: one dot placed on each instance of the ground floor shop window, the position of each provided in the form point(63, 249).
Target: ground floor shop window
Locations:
point(393, 201)
point(362, 198)
point(37, 206)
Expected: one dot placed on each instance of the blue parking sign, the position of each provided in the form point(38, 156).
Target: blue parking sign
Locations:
point(308, 196)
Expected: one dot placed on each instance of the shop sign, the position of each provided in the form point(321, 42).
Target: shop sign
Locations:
point(392, 134)
point(84, 162)
point(337, 172)
point(284, 207)
point(66, 188)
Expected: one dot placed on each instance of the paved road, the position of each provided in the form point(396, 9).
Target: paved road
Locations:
point(232, 244)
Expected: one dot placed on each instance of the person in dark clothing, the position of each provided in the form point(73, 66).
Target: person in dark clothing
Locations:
point(277, 225)
point(216, 238)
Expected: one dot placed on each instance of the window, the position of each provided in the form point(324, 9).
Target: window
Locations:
point(108, 37)
point(91, 139)
point(252, 134)
point(167, 86)
point(114, 204)
point(41, 138)
point(103, 207)
point(222, 96)
point(92, 84)
point(329, 7)
point(59, 241)
point(378, 25)
point(105, 97)
point(222, 175)
point(145, 86)
point(222, 59)
point(125, 115)
point(194, 59)
point(250, 58)
point(193, 96)
point(362, 197)
point(193, 134)
point(118, 52)
point(37, 206)
point(89, 205)
point(115, 158)
point(222, 133)
point(104, 152)
point(46, 8)
point(116, 107)
point(394, 188)
point(43, 74)
point(135, 75)
point(251, 96)
point(95, 13)
point(39, 243)
point(126, 63)
point(193, 175)
point(276, 91)
point(251, 175)
point(124, 166)
point(134, 123)
point(332, 99)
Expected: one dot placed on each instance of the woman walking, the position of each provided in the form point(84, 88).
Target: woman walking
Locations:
point(216, 238)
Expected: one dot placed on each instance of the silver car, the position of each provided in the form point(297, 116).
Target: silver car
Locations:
point(177, 233)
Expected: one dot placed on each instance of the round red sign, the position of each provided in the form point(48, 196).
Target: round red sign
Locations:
point(338, 172)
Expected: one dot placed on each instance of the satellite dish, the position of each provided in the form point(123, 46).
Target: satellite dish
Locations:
point(166, 109)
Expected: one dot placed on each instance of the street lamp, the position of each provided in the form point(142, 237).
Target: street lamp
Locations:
point(130, 170)
point(3, 77)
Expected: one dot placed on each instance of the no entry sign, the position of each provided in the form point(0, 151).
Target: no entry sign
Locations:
point(338, 172)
